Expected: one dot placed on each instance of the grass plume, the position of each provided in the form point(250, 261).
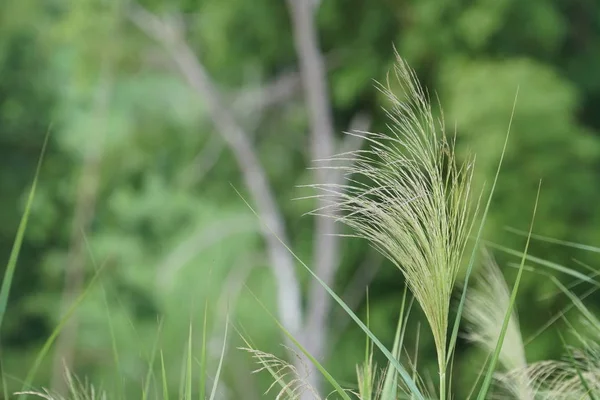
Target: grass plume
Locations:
point(485, 308)
point(411, 199)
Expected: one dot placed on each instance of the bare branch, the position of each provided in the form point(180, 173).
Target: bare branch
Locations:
point(275, 92)
point(326, 242)
point(282, 263)
point(360, 123)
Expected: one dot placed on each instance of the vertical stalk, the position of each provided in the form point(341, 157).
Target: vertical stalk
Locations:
point(442, 367)
point(442, 385)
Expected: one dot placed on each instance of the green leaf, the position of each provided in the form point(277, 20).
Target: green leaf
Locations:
point(163, 371)
point(313, 360)
point(463, 296)
point(494, 360)
point(401, 370)
point(48, 344)
point(213, 393)
point(14, 254)
point(202, 390)
point(390, 383)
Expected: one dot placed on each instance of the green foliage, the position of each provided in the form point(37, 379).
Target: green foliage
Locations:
point(165, 215)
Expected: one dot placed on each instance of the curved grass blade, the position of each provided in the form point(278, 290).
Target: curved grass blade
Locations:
point(50, 341)
point(574, 365)
point(544, 263)
point(313, 360)
point(496, 355)
point(401, 370)
point(463, 296)
point(552, 240)
point(16, 249)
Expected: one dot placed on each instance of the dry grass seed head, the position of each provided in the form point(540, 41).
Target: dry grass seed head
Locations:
point(293, 384)
point(410, 198)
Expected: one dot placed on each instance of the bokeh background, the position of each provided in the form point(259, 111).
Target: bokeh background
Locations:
point(160, 112)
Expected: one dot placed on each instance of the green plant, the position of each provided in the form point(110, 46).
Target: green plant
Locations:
point(412, 200)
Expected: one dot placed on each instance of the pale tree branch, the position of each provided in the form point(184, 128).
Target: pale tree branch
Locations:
point(281, 262)
point(275, 92)
point(355, 138)
point(322, 143)
point(326, 257)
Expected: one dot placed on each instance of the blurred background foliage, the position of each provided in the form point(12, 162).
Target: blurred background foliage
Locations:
point(138, 179)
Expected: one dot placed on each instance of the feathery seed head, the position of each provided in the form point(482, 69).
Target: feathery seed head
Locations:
point(410, 198)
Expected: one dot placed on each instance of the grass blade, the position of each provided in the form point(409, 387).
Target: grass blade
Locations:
point(4, 386)
point(574, 365)
point(163, 373)
point(151, 362)
point(16, 249)
point(251, 348)
point(401, 370)
point(202, 389)
point(113, 338)
point(213, 393)
point(188, 368)
point(494, 360)
point(44, 351)
point(313, 360)
point(552, 240)
point(390, 383)
point(461, 304)
point(544, 263)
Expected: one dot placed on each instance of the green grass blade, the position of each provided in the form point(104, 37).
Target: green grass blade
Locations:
point(494, 360)
point(365, 380)
point(479, 376)
point(4, 386)
point(463, 296)
point(113, 338)
point(213, 393)
point(401, 370)
point(582, 379)
point(48, 344)
point(202, 389)
point(182, 376)
point(188, 368)
point(367, 342)
point(150, 371)
point(114, 347)
point(16, 248)
point(390, 382)
point(544, 263)
point(163, 374)
point(313, 360)
point(552, 240)
point(579, 305)
point(416, 355)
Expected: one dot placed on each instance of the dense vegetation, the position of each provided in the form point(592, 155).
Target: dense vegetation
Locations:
point(153, 109)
